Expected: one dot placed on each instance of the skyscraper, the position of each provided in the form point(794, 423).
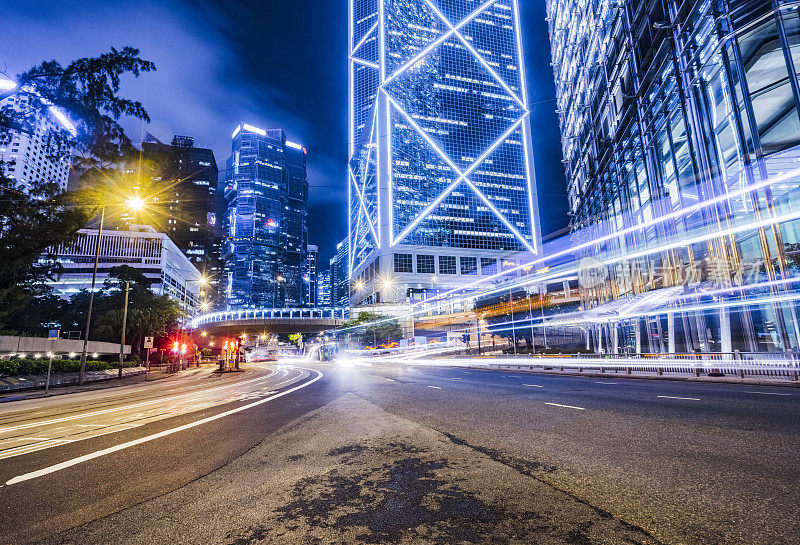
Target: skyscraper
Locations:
point(339, 280)
point(441, 170)
point(188, 209)
point(266, 193)
point(669, 114)
point(310, 277)
point(26, 156)
point(324, 288)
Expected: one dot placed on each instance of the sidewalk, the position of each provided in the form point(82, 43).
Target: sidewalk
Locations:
point(33, 385)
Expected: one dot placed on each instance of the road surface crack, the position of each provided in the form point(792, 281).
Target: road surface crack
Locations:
point(529, 469)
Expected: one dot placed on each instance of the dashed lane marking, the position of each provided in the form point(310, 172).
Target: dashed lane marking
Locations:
point(534, 385)
point(567, 406)
point(436, 387)
point(683, 398)
point(768, 393)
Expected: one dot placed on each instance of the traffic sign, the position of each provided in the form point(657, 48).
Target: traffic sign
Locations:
point(148, 342)
point(54, 334)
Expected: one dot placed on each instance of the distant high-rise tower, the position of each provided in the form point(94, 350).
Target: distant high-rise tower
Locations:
point(266, 193)
point(310, 277)
point(188, 209)
point(441, 175)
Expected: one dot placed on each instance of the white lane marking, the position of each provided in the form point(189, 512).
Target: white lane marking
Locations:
point(768, 393)
point(534, 385)
point(33, 447)
point(133, 406)
point(683, 398)
point(437, 387)
point(599, 382)
point(122, 446)
point(456, 378)
point(567, 406)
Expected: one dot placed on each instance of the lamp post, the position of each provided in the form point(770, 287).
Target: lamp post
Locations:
point(82, 374)
point(135, 204)
point(124, 323)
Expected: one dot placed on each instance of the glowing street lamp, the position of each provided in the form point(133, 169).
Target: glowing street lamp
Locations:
point(134, 204)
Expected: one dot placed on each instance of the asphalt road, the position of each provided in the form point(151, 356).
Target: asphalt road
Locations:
point(403, 453)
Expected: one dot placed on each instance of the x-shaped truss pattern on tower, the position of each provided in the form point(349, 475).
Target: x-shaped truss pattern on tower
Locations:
point(454, 116)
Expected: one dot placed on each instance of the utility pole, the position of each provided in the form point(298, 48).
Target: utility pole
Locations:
point(124, 324)
point(82, 374)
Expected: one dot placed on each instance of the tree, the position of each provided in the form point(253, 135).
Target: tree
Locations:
point(40, 216)
point(367, 334)
point(149, 315)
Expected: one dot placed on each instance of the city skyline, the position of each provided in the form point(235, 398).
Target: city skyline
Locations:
point(269, 95)
point(450, 367)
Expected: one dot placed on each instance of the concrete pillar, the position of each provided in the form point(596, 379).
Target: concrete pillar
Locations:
point(616, 339)
point(671, 331)
point(638, 333)
point(600, 339)
point(725, 329)
point(588, 339)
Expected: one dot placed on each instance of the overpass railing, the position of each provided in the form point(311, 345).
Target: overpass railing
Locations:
point(320, 313)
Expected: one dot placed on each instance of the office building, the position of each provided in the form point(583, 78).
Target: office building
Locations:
point(310, 277)
point(189, 207)
point(670, 113)
point(441, 177)
point(324, 288)
point(266, 195)
point(340, 282)
point(142, 248)
point(28, 157)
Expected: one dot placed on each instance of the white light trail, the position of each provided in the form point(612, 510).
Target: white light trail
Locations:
point(635, 228)
point(122, 446)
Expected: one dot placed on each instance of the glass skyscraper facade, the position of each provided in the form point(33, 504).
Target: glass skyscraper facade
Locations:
point(441, 170)
point(680, 131)
point(266, 194)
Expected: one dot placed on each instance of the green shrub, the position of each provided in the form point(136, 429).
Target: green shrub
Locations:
point(9, 367)
point(15, 367)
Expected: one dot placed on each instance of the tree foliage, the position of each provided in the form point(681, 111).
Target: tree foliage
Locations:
point(366, 333)
point(149, 315)
point(38, 216)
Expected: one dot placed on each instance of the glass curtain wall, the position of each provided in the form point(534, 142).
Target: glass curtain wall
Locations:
point(681, 133)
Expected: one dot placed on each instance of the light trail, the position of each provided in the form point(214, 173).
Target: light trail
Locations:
point(159, 435)
point(538, 280)
point(629, 230)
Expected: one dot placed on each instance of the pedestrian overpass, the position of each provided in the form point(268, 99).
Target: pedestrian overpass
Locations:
point(272, 320)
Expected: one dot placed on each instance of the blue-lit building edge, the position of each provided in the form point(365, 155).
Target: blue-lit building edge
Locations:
point(664, 106)
point(387, 203)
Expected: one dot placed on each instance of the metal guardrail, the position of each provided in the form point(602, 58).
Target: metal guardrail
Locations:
point(741, 365)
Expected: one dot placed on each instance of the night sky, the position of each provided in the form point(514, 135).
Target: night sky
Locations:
point(274, 64)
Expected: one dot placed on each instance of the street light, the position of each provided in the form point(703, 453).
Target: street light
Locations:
point(136, 204)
